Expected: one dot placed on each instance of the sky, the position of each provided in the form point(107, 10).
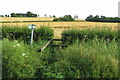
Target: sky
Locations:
point(59, 8)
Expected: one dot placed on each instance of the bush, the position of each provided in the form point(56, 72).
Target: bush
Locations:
point(88, 60)
point(23, 33)
point(19, 60)
point(70, 36)
point(44, 33)
point(65, 18)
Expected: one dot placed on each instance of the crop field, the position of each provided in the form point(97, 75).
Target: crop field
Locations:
point(59, 27)
point(11, 19)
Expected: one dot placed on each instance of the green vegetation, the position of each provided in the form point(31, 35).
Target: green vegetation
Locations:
point(70, 36)
point(28, 14)
point(86, 60)
point(89, 54)
point(92, 59)
point(65, 18)
point(23, 33)
point(102, 19)
point(19, 60)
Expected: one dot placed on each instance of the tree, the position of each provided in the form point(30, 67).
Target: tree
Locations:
point(54, 16)
point(96, 17)
point(89, 18)
point(102, 16)
point(29, 14)
point(1, 15)
point(34, 15)
point(76, 17)
point(65, 18)
point(45, 15)
point(13, 15)
point(6, 15)
point(68, 18)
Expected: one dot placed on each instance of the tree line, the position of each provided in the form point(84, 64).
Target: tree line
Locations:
point(67, 17)
point(28, 14)
point(64, 18)
point(102, 19)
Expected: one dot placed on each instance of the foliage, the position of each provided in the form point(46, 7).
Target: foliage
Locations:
point(102, 19)
point(19, 60)
point(23, 33)
point(94, 59)
point(44, 33)
point(70, 36)
point(65, 18)
point(28, 14)
point(92, 54)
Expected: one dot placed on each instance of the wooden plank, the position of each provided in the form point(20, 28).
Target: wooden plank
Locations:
point(46, 45)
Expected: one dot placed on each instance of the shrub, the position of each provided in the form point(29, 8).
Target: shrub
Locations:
point(89, 60)
point(19, 60)
point(70, 36)
point(23, 33)
point(65, 18)
point(44, 33)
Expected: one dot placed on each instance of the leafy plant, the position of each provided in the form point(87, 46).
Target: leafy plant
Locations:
point(23, 33)
point(19, 60)
point(70, 36)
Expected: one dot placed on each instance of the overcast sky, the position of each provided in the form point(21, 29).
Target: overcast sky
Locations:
point(82, 8)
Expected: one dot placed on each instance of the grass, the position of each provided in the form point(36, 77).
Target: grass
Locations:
point(93, 59)
point(20, 60)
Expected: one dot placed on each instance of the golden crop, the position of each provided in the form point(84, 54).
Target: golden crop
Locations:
point(58, 27)
point(11, 19)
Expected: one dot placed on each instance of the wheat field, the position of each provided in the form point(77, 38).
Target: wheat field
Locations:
point(58, 27)
point(11, 19)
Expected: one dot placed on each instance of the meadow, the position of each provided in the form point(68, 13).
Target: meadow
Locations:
point(91, 50)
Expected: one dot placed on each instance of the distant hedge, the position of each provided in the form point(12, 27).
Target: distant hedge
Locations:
point(102, 19)
point(65, 18)
point(70, 36)
point(23, 33)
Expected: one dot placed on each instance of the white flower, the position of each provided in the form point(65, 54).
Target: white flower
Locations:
point(23, 54)
point(18, 45)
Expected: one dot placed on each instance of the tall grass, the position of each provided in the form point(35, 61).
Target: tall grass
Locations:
point(19, 60)
point(92, 54)
point(92, 59)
